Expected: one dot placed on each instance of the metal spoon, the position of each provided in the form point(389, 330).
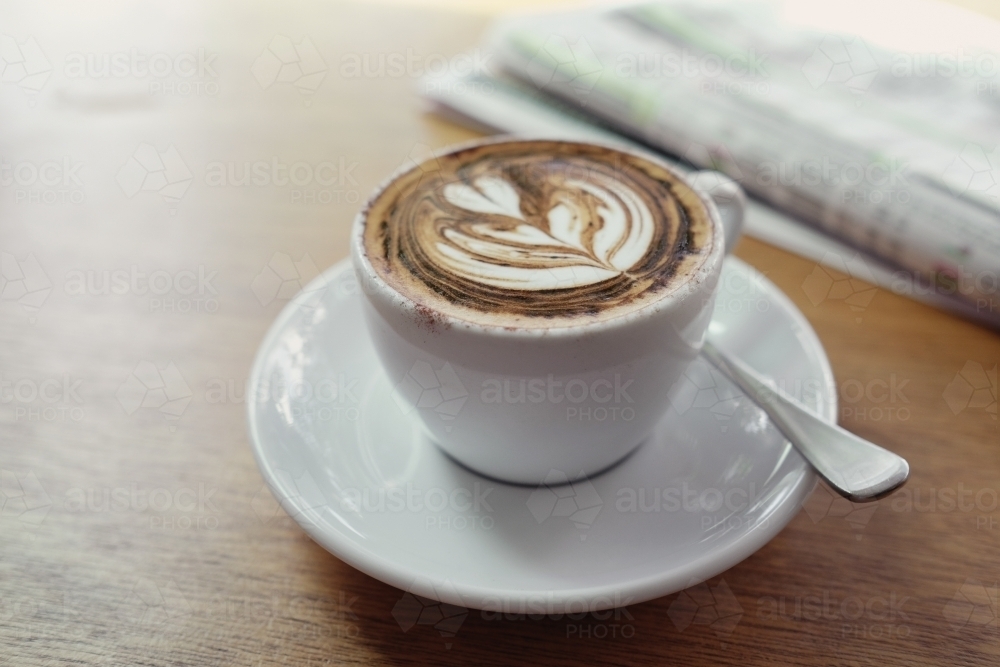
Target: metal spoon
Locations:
point(857, 469)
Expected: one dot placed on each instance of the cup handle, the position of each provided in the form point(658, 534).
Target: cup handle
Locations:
point(728, 197)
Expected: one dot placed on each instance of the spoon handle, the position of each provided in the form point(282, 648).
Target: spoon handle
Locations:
point(857, 469)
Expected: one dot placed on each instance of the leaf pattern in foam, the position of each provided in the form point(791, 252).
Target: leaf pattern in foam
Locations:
point(566, 225)
point(491, 195)
point(626, 229)
point(559, 257)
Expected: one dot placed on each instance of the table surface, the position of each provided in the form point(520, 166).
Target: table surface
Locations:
point(119, 283)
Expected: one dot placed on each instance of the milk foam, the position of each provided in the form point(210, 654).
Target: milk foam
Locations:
point(523, 230)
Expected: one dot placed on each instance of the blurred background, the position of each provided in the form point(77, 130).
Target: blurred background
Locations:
point(172, 174)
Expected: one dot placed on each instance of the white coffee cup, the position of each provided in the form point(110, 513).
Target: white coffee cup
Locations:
point(517, 403)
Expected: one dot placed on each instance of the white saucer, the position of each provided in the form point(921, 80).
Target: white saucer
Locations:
point(337, 442)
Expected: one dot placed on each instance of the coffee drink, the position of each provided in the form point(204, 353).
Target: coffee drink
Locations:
point(536, 234)
point(577, 280)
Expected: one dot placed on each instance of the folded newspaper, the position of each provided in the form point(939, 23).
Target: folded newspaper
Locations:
point(887, 148)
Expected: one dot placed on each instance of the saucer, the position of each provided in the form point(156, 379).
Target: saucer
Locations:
point(349, 461)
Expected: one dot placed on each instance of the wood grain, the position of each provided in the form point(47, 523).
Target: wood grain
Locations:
point(91, 575)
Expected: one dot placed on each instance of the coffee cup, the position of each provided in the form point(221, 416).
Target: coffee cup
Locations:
point(533, 301)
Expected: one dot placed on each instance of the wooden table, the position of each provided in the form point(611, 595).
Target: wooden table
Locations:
point(135, 526)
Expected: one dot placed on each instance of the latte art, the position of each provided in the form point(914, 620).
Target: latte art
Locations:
point(535, 231)
point(570, 250)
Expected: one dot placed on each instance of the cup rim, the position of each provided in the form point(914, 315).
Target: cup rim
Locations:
point(671, 298)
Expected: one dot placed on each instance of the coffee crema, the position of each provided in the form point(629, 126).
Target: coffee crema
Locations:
point(536, 233)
